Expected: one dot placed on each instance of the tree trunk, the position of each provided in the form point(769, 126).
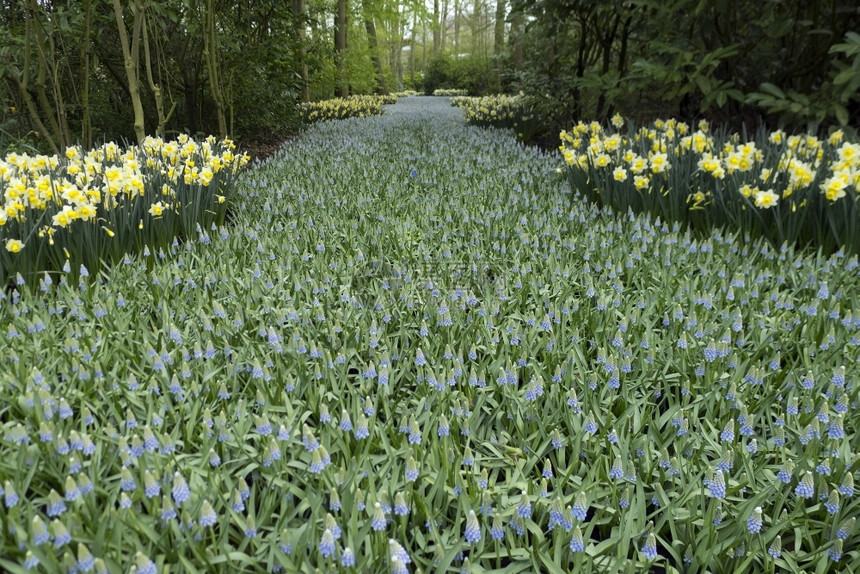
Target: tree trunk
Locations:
point(374, 55)
point(52, 65)
point(475, 25)
point(443, 26)
point(395, 53)
point(140, 8)
point(412, 54)
point(299, 14)
point(607, 40)
point(499, 29)
point(130, 58)
point(583, 20)
point(42, 94)
point(436, 25)
point(457, 12)
point(86, 123)
point(53, 111)
point(517, 39)
point(23, 82)
point(210, 54)
point(190, 85)
point(341, 88)
point(367, 12)
point(401, 31)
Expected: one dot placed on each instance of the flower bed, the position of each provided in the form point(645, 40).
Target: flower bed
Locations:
point(341, 108)
point(415, 348)
point(503, 111)
point(795, 190)
point(86, 207)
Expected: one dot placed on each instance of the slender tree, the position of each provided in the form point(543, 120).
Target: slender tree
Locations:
point(163, 118)
point(85, 52)
point(443, 26)
point(299, 16)
point(437, 27)
point(130, 53)
point(22, 80)
point(367, 10)
point(412, 47)
point(516, 39)
point(499, 29)
point(341, 24)
point(210, 54)
point(458, 12)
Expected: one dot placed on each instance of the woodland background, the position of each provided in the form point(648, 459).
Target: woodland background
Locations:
point(89, 71)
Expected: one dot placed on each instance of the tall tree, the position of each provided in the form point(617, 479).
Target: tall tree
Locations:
point(299, 19)
point(443, 26)
point(210, 54)
point(437, 27)
point(22, 79)
point(155, 87)
point(475, 27)
point(458, 12)
point(517, 32)
point(368, 12)
point(130, 54)
point(499, 29)
point(412, 47)
point(398, 21)
point(341, 23)
point(85, 53)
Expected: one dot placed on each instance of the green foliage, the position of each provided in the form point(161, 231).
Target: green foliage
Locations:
point(471, 73)
point(361, 74)
point(684, 73)
point(829, 104)
point(13, 138)
point(79, 88)
point(744, 62)
point(322, 78)
point(439, 74)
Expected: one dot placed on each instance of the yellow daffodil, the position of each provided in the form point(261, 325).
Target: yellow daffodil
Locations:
point(14, 245)
point(834, 187)
point(766, 199)
point(602, 160)
point(659, 163)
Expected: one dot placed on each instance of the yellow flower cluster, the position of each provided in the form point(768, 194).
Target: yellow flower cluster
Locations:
point(450, 92)
point(790, 164)
point(493, 109)
point(342, 108)
point(46, 193)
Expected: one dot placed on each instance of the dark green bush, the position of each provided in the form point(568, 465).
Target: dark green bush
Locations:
point(474, 74)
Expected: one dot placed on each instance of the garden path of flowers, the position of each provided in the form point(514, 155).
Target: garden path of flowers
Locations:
point(413, 349)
